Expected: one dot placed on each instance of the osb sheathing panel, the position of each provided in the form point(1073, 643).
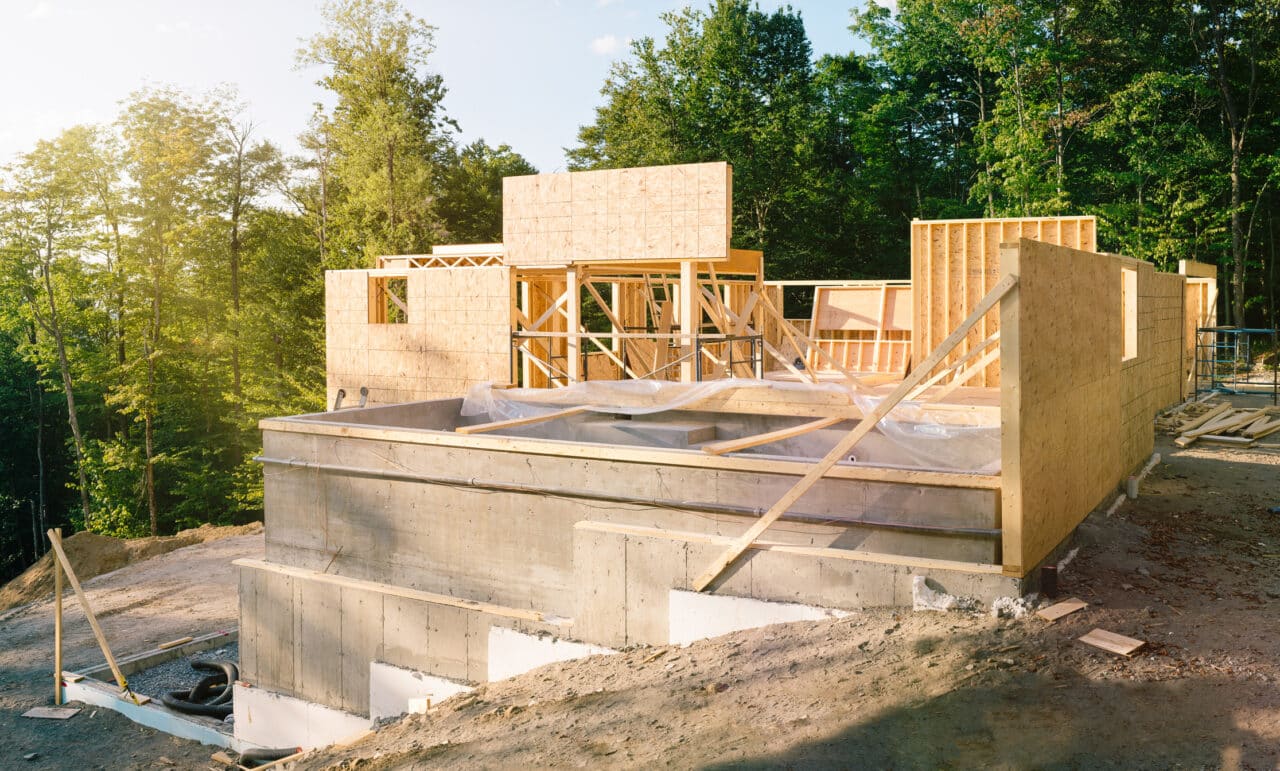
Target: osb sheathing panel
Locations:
point(955, 262)
point(1077, 420)
point(636, 214)
point(457, 335)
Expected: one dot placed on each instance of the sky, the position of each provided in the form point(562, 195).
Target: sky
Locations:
point(521, 72)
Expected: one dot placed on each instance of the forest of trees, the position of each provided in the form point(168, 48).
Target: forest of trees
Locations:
point(161, 277)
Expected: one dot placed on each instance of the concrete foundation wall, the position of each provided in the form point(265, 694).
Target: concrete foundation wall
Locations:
point(627, 579)
point(516, 549)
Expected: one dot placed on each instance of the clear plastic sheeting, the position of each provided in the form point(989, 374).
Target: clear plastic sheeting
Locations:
point(965, 442)
point(622, 397)
point(912, 435)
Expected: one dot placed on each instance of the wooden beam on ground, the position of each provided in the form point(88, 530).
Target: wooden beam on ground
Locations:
point(863, 428)
point(498, 425)
point(1205, 418)
point(55, 538)
point(734, 445)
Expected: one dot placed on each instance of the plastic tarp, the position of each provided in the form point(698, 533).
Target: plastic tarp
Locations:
point(963, 442)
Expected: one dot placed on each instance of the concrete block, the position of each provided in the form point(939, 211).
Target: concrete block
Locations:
point(447, 650)
point(654, 567)
point(600, 586)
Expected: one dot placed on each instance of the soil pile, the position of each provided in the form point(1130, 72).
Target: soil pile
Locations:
point(92, 555)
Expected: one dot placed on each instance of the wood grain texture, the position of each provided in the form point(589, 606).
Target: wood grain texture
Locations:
point(955, 262)
point(656, 213)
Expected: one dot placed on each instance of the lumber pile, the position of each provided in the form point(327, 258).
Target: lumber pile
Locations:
point(1214, 421)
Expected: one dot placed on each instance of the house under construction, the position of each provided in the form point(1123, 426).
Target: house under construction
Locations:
point(607, 430)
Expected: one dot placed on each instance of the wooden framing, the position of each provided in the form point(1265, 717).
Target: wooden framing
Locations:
point(842, 448)
point(955, 262)
point(863, 328)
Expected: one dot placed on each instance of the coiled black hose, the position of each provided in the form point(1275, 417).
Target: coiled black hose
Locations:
point(211, 696)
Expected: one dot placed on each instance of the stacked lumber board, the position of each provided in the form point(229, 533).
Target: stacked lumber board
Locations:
point(1219, 422)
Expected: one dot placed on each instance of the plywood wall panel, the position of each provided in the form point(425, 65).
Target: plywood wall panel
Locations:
point(457, 334)
point(957, 261)
point(1077, 418)
point(647, 213)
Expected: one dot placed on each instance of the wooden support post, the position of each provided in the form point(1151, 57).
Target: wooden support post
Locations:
point(864, 427)
point(573, 320)
point(57, 626)
point(689, 312)
point(56, 539)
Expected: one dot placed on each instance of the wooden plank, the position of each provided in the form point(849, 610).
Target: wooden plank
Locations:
point(734, 445)
point(174, 643)
point(951, 370)
point(864, 427)
point(1064, 608)
point(1205, 418)
point(1243, 441)
point(498, 425)
point(964, 376)
point(55, 538)
point(1111, 642)
point(51, 713)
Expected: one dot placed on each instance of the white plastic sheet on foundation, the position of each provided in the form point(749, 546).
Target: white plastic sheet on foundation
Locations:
point(623, 397)
point(964, 442)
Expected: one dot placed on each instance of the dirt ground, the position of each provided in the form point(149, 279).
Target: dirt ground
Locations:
point(92, 555)
point(190, 591)
point(1192, 567)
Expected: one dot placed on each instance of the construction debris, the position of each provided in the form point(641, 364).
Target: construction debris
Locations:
point(1112, 642)
point(51, 713)
point(925, 597)
point(1219, 422)
point(1064, 608)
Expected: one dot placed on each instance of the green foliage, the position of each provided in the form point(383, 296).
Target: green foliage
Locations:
point(470, 186)
point(385, 131)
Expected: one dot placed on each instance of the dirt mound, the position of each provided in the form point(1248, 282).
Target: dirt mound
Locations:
point(92, 555)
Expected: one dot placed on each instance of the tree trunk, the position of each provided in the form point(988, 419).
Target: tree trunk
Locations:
point(55, 328)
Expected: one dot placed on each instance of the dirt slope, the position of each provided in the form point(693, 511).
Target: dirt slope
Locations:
point(1192, 567)
point(189, 591)
point(92, 555)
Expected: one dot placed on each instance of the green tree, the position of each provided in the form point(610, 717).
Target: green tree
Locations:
point(169, 150)
point(470, 186)
point(385, 131)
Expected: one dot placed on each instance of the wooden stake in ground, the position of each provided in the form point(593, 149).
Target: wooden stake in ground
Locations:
point(864, 427)
point(57, 626)
point(55, 538)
